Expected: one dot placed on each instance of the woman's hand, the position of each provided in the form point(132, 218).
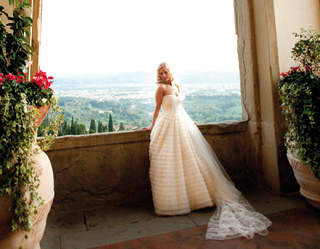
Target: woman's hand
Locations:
point(148, 128)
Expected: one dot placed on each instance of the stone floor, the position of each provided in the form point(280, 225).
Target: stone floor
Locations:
point(301, 230)
point(101, 227)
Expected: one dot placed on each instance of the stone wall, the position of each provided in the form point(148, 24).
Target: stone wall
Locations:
point(113, 169)
point(291, 16)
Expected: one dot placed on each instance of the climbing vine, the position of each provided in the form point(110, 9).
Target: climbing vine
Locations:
point(20, 100)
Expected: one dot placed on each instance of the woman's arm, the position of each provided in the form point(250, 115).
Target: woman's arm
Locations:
point(158, 97)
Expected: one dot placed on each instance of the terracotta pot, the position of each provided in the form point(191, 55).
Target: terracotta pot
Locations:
point(43, 110)
point(13, 240)
point(309, 184)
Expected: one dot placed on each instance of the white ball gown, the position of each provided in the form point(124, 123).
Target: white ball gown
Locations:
point(186, 174)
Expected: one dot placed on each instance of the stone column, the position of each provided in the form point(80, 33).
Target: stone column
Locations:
point(36, 35)
point(259, 69)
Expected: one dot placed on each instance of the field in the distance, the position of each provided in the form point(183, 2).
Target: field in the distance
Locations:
point(211, 97)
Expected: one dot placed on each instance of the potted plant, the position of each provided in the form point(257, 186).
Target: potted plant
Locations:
point(299, 91)
point(26, 178)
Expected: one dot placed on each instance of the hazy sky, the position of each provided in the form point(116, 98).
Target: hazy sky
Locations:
point(136, 35)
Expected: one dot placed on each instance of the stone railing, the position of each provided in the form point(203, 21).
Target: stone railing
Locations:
point(113, 168)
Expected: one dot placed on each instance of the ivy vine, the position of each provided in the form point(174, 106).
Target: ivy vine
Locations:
point(19, 102)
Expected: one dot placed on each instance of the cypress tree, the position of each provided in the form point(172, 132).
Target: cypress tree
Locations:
point(64, 128)
point(93, 127)
point(76, 128)
point(110, 125)
point(100, 126)
point(73, 132)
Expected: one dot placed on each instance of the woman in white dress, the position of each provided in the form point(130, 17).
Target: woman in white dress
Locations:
point(186, 174)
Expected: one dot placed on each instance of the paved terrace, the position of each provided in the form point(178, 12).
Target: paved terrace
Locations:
point(295, 225)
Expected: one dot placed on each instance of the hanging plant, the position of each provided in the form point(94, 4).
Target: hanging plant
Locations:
point(20, 101)
point(299, 89)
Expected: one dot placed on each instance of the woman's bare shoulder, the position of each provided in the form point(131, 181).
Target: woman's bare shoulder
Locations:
point(160, 89)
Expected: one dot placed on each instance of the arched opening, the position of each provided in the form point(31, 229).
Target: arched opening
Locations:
point(107, 54)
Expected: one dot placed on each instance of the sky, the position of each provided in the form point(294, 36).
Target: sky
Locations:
point(113, 36)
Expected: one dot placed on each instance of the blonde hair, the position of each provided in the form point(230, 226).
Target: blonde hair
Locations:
point(164, 65)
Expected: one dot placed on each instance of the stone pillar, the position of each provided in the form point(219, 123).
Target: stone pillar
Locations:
point(259, 69)
point(267, 75)
point(248, 81)
point(36, 35)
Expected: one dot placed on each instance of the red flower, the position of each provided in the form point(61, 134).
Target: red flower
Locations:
point(284, 74)
point(18, 79)
point(1, 78)
point(10, 76)
point(294, 68)
point(41, 80)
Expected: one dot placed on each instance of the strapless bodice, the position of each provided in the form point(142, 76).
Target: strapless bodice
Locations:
point(171, 104)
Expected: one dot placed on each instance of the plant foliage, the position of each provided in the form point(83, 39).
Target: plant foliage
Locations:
point(19, 102)
point(299, 89)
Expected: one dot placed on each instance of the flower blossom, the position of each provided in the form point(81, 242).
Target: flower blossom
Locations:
point(41, 80)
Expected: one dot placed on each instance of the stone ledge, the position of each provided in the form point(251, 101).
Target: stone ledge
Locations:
point(138, 136)
point(224, 128)
point(111, 169)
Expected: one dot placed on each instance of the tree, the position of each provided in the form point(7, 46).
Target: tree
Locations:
point(76, 128)
point(66, 128)
point(73, 128)
point(100, 126)
point(110, 126)
point(82, 129)
point(121, 128)
point(104, 128)
point(93, 127)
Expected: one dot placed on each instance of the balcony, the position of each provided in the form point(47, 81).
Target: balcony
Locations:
point(102, 188)
point(103, 195)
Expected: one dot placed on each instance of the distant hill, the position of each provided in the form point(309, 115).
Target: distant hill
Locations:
point(146, 77)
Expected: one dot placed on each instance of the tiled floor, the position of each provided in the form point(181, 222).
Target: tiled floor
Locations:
point(94, 228)
point(295, 228)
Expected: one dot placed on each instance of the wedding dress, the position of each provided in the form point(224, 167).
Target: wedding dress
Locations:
point(186, 174)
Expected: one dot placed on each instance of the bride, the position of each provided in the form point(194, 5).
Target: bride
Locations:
point(186, 174)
